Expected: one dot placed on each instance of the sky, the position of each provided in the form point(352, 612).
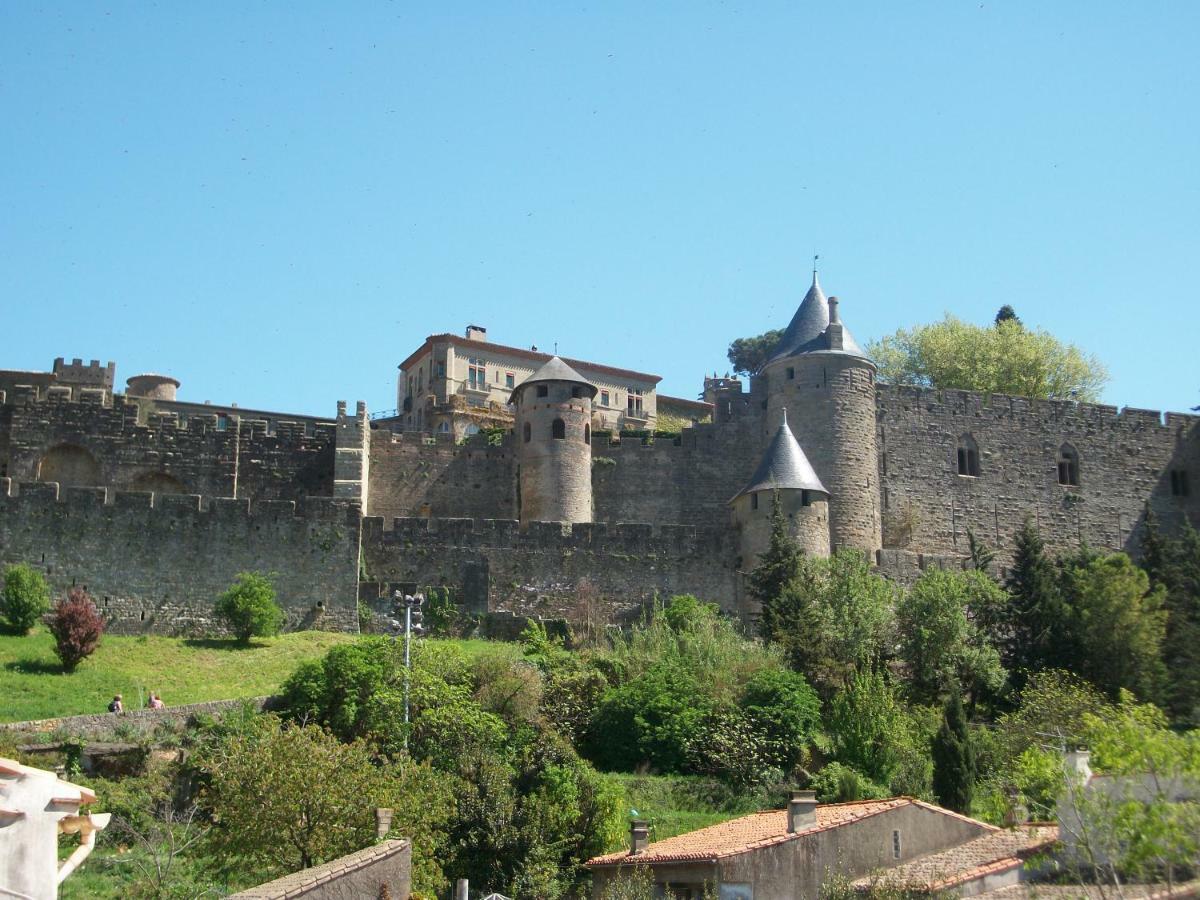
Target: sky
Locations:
point(276, 202)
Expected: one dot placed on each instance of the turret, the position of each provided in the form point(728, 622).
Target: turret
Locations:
point(784, 475)
point(554, 444)
point(820, 373)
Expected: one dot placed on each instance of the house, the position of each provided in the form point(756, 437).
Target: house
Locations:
point(791, 853)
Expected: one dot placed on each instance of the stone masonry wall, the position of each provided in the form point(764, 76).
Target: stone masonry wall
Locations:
point(205, 454)
point(588, 571)
point(158, 563)
point(1125, 459)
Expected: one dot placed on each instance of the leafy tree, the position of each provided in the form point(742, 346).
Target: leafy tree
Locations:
point(837, 783)
point(939, 644)
point(77, 627)
point(1174, 563)
point(1039, 628)
point(25, 599)
point(748, 354)
point(1006, 314)
point(781, 708)
point(834, 618)
point(1121, 623)
point(953, 759)
point(868, 726)
point(249, 609)
point(1005, 359)
point(285, 798)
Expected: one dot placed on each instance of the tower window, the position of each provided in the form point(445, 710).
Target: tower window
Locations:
point(896, 844)
point(543, 390)
point(558, 430)
point(1179, 483)
point(527, 432)
point(754, 501)
point(968, 457)
point(1068, 465)
point(805, 498)
point(791, 373)
point(587, 434)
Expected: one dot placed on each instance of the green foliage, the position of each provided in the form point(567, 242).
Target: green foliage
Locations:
point(953, 759)
point(1038, 631)
point(868, 726)
point(785, 712)
point(1006, 358)
point(777, 568)
point(1034, 780)
point(25, 599)
point(1174, 563)
point(939, 642)
point(834, 618)
point(441, 615)
point(838, 783)
point(1006, 314)
point(248, 608)
point(748, 354)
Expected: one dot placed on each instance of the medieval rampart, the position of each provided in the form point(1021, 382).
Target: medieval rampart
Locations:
point(96, 440)
point(584, 572)
point(1124, 459)
point(158, 563)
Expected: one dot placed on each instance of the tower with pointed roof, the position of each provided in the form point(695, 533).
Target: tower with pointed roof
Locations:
point(784, 474)
point(826, 381)
point(554, 444)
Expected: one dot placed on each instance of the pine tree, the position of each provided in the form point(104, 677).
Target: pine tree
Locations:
point(980, 554)
point(1175, 564)
point(775, 571)
point(1040, 633)
point(953, 758)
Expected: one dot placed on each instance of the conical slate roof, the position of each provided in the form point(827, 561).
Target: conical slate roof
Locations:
point(554, 370)
point(784, 467)
point(806, 332)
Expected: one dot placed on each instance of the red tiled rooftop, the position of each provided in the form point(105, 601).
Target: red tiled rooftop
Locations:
point(992, 852)
point(761, 829)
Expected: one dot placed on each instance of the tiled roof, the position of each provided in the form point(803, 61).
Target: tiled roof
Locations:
point(807, 332)
point(532, 355)
point(994, 852)
point(784, 467)
point(761, 829)
point(306, 880)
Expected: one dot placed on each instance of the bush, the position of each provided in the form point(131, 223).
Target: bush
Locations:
point(26, 597)
point(248, 608)
point(77, 626)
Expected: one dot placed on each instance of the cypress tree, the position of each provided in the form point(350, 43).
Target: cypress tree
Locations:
point(1040, 634)
point(1174, 563)
point(776, 570)
point(953, 758)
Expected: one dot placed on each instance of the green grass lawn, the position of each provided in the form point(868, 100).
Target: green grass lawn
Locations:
point(180, 670)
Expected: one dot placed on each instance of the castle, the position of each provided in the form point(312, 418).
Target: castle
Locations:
point(539, 486)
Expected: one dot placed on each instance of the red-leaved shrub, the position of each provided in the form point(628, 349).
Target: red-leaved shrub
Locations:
point(76, 625)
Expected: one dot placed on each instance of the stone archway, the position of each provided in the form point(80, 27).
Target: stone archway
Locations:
point(69, 464)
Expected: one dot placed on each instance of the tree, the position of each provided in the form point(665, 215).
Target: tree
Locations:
point(953, 759)
point(748, 354)
point(979, 553)
point(1174, 563)
point(1006, 314)
point(77, 626)
point(1121, 623)
point(868, 726)
point(248, 608)
point(25, 599)
point(1039, 627)
point(776, 569)
point(1005, 359)
point(289, 797)
point(939, 644)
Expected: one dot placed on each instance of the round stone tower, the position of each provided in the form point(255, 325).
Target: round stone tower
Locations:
point(819, 373)
point(786, 475)
point(151, 386)
point(554, 444)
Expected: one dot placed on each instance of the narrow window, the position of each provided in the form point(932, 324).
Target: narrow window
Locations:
point(791, 373)
point(1068, 465)
point(587, 434)
point(528, 432)
point(1179, 482)
point(968, 457)
point(805, 498)
point(754, 501)
point(510, 379)
point(558, 430)
point(443, 427)
point(543, 390)
point(896, 844)
point(222, 423)
point(477, 374)
point(441, 370)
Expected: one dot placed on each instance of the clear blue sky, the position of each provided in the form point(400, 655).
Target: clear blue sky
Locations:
point(276, 202)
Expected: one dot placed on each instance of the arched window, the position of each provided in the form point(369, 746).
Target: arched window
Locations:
point(587, 434)
point(558, 430)
point(69, 464)
point(528, 432)
point(1068, 465)
point(968, 456)
point(471, 429)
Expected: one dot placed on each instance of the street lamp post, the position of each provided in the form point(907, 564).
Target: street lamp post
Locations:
point(412, 623)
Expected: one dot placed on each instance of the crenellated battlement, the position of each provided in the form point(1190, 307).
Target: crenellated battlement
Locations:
point(898, 399)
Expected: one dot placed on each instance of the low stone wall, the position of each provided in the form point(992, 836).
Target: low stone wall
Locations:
point(363, 874)
point(103, 725)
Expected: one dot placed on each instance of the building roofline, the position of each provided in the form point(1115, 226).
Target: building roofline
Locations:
point(533, 355)
point(683, 401)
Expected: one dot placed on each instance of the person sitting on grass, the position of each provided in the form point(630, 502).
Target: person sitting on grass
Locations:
point(155, 702)
point(116, 706)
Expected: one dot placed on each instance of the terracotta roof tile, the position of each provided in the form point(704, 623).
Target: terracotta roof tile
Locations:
point(750, 832)
point(993, 852)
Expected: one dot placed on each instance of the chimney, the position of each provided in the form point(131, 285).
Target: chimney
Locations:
point(461, 889)
point(835, 332)
point(639, 837)
point(383, 822)
point(476, 333)
point(1077, 765)
point(802, 811)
